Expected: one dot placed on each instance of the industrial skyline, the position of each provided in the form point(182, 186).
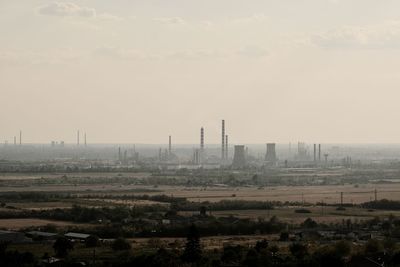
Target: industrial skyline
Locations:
point(78, 141)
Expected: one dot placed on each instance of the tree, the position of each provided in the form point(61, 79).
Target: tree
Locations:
point(192, 252)
point(328, 257)
point(232, 254)
point(203, 211)
point(389, 245)
point(284, 236)
point(252, 258)
point(373, 246)
point(342, 248)
point(120, 244)
point(91, 241)
point(3, 247)
point(260, 245)
point(274, 249)
point(62, 246)
point(309, 223)
point(298, 250)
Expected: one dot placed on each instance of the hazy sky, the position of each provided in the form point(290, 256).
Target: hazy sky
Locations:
point(136, 71)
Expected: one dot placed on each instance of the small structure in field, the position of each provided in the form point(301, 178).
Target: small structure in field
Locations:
point(77, 236)
point(38, 235)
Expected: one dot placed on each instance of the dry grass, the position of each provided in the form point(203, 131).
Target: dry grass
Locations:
point(16, 224)
point(128, 202)
point(33, 176)
point(325, 214)
point(311, 194)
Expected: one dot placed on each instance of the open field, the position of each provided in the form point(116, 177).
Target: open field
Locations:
point(325, 214)
point(16, 224)
point(128, 183)
point(311, 194)
point(36, 176)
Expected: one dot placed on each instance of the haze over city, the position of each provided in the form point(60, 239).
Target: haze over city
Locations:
point(199, 133)
point(138, 71)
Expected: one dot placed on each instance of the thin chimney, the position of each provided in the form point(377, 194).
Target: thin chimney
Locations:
point(315, 152)
point(223, 140)
point(226, 146)
point(202, 139)
point(319, 152)
point(169, 146)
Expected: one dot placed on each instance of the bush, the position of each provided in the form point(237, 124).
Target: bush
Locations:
point(91, 241)
point(120, 244)
point(302, 211)
point(62, 246)
point(309, 223)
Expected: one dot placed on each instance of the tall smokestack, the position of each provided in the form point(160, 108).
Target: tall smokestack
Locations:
point(315, 152)
point(169, 146)
point(77, 138)
point(226, 146)
point(15, 140)
point(85, 140)
point(202, 139)
point(20, 137)
point(223, 140)
point(319, 152)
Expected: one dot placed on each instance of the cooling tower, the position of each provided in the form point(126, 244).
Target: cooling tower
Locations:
point(270, 156)
point(239, 158)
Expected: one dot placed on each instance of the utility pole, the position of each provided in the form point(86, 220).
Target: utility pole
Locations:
point(94, 256)
point(322, 207)
point(341, 199)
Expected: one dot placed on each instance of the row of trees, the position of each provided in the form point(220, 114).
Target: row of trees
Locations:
point(261, 254)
